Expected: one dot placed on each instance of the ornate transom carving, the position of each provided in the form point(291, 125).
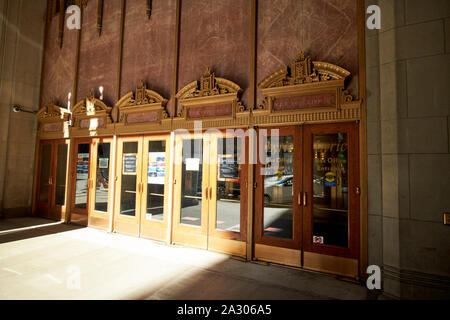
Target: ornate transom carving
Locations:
point(210, 93)
point(52, 113)
point(90, 108)
point(302, 70)
point(143, 96)
point(144, 103)
point(304, 85)
point(208, 85)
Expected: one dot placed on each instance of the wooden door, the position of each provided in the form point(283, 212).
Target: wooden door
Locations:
point(129, 185)
point(81, 181)
point(155, 184)
point(44, 183)
point(59, 179)
point(227, 193)
point(278, 196)
point(52, 178)
point(331, 192)
point(192, 190)
point(100, 207)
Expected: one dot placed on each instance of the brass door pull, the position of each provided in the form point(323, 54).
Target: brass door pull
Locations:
point(304, 198)
point(299, 199)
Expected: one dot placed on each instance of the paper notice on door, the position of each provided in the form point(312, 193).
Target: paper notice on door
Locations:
point(156, 172)
point(192, 164)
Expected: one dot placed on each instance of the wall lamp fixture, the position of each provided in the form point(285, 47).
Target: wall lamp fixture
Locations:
point(17, 108)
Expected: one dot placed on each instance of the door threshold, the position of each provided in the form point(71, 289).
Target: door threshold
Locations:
point(339, 277)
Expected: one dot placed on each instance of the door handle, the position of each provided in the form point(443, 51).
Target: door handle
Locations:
point(210, 193)
point(305, 196)
point(299, 198)
point(206, 193)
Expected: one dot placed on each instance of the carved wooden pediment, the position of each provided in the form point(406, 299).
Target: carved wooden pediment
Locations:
point(302, 70)
point(321, 84)
point(209, 97)
point(52, 113)
point(142, 106)
point(88, 109)
point(52, 120)
point(306, 91)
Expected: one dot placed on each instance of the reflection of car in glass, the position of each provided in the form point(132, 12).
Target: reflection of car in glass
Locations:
point(278, 189)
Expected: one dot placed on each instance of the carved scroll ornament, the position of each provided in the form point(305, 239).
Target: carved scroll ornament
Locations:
point(88, 109)
point(141, 106)
point(211, 96)
point(306, 91)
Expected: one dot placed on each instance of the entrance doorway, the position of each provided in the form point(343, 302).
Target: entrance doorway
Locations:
point(142, 195)
point(91, 183)
point(211, 192)
point(307, 197)
point(51, 181)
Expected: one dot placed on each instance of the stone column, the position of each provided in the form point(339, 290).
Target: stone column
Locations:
point(408, 137)
point(21, 43)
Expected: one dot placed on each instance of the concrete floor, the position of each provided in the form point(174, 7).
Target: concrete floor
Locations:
point(61, 261)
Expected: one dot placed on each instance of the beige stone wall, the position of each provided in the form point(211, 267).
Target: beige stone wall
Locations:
point(21, 46)
point(408, 101)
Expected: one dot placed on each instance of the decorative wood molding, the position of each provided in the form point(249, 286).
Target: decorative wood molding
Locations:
point(306, 91)
point(91, 114)
point(52, 121)
point(143, 107)
point(52, 113)
point(210, 97)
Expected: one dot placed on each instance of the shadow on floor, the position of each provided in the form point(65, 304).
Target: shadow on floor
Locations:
point(15, 229)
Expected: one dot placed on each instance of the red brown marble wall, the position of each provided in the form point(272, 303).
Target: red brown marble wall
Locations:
point(215, 34)
point(324, 29)
point(148, 47)
point(59, 64)
point(98, 64)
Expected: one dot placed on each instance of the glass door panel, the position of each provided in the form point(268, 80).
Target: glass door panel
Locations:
point(330, 189)
point(228, 188)
point(155, 187)
point(278, 205)
point(191, 183)
point(45, 172)
point(129, 181)
point(155, 180)
point(102, 176)
point(82, 175)
point(278, 172)
point(129, 186)
point(61, 169)
point(331, 192)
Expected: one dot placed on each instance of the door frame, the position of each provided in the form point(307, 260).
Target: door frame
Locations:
point(81, 215)
point(351, 129)
point(122, 223)
point(331, 259)
point(50, 210)
point(96, 218)
point(221, 240)
point(196, 236)
point(154, 229)
point(295, 243)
